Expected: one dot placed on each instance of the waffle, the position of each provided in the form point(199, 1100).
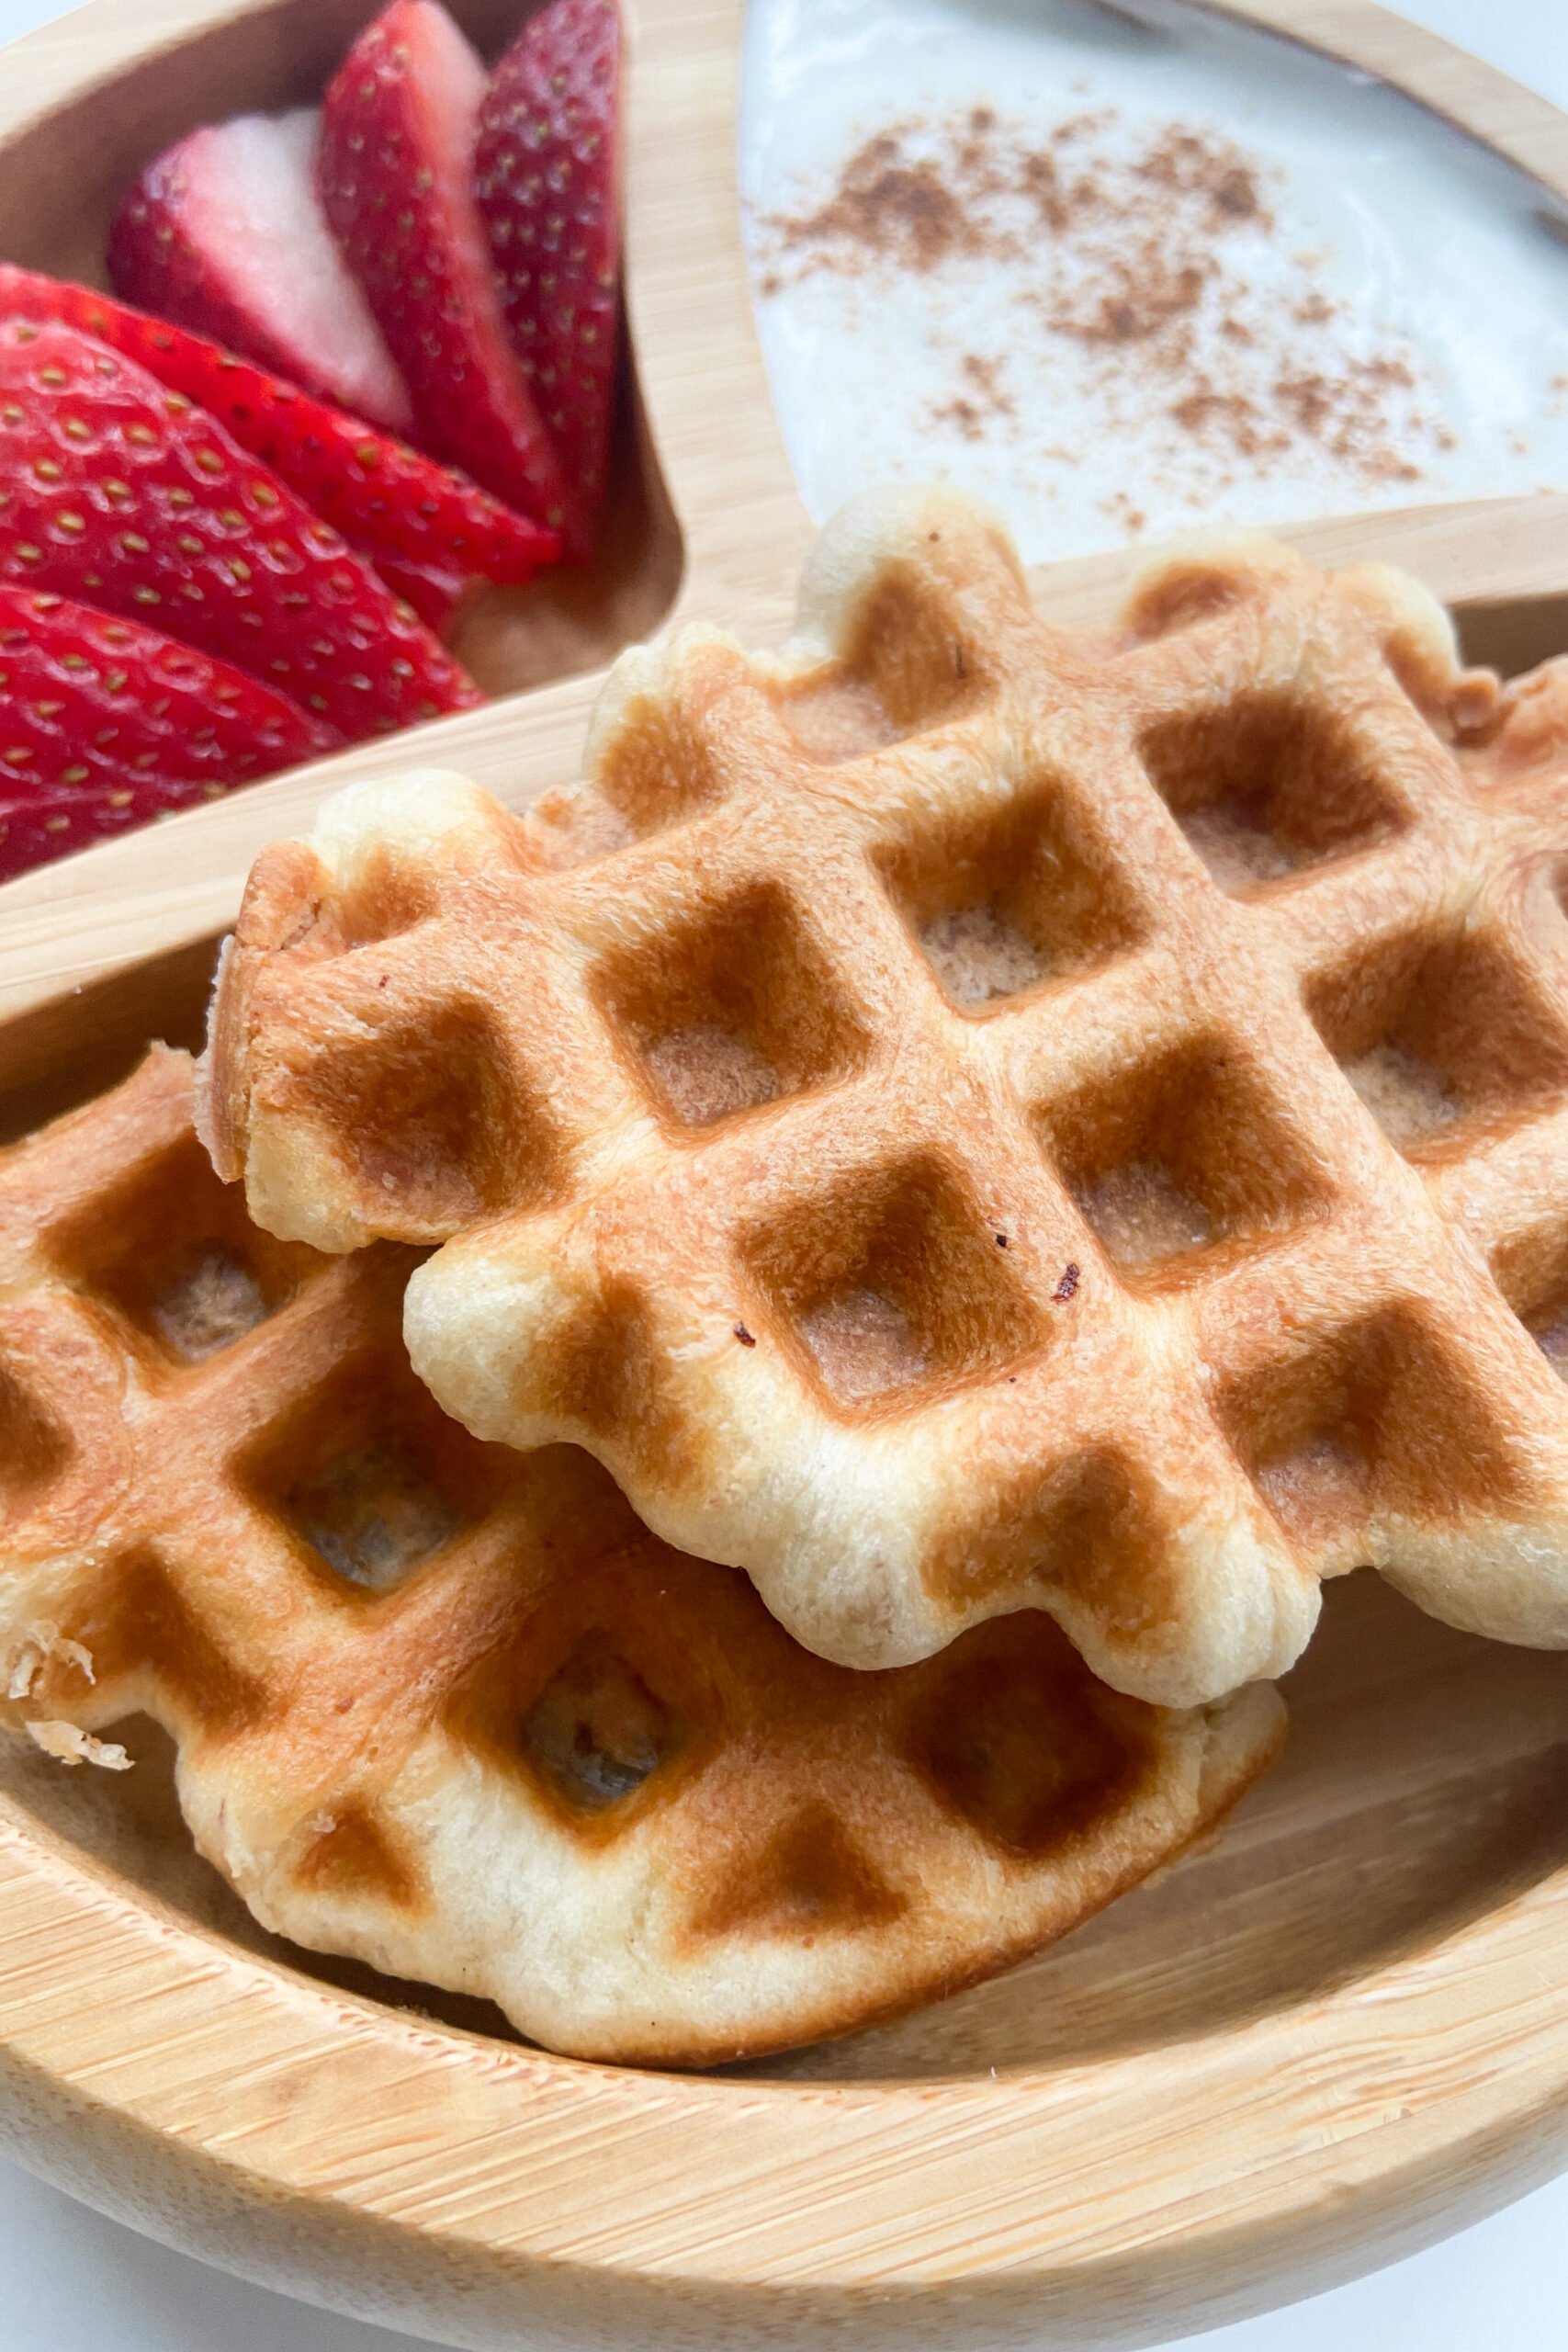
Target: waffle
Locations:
point(457, 1714)
point(964, 1117)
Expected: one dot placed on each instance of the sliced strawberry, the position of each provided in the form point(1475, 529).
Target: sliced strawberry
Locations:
point(126, 495)
point(397, 149)
point(546, 177)
point(433, 590)
point(104, 723)
point(225, 233)
point(426, 530)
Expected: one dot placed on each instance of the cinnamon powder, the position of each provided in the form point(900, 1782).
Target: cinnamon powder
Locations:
point(887, 208)
point(1151, 265)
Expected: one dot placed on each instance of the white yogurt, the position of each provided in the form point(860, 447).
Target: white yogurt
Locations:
point(1446, 294)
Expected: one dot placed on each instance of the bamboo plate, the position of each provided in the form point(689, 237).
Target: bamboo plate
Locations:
point(1340, 2034)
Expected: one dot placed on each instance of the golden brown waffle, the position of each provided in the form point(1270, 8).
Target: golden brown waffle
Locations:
point(457, 1715)
point(964, 1117)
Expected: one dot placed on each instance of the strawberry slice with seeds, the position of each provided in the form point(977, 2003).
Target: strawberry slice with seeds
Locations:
point(433, 590)
point(124, 495)
point(546, 178)
point(104, 723)
point(396, 164)
point(428, 531)
point(224, 233)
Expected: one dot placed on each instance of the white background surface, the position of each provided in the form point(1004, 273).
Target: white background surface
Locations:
point(72, 2282)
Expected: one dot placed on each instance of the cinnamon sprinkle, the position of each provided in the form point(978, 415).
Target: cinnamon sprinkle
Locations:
point(1150, 272)
point(981, 401)
point(890, 208)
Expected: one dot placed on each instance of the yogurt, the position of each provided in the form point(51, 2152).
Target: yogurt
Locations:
point(1124, 271)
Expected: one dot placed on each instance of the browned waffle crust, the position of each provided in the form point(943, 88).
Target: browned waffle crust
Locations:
point(457, 1714)
point(963, 1117)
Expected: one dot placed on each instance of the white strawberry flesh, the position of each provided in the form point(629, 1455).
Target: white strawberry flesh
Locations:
point(225, 233)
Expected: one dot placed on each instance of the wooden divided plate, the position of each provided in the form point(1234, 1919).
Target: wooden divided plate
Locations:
point(1336, 2035)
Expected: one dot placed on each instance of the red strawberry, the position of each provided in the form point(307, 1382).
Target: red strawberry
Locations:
point(546, 176)
point(224, 232)
point(122, 493)
point(397, 150)
point(427, 531)
point(104, 724)
point(434, 590)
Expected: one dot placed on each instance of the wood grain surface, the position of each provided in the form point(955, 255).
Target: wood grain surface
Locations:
point(1334, 2037)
